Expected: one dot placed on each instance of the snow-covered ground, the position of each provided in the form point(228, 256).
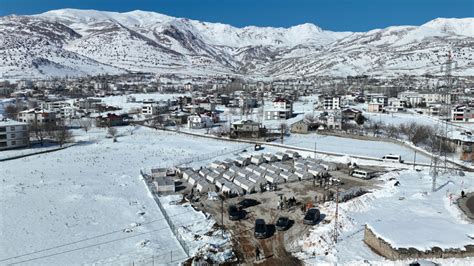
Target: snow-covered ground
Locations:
point(198, 230)
point(350, 146)
point(408, 215)
point(72, 206)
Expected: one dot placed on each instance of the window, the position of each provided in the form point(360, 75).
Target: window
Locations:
point(13, 136)
point(13, 142)
point(23, 127)
point(12, 128)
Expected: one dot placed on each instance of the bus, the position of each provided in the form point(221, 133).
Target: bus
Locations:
point(392, 158)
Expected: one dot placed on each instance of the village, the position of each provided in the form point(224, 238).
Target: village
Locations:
point(291, 154)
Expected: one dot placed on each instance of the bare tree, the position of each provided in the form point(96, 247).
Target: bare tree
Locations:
point(392, 131)
point(85, 123)
point(61, 133)
point(11, 111)
point(157, 122)
point(112, 133)
point(311, 117)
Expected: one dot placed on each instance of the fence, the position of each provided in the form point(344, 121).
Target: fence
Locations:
point(174, 229)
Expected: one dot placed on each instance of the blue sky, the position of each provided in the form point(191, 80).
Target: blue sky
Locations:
point(339, 15)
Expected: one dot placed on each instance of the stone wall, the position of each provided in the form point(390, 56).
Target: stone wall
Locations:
point(381, 247)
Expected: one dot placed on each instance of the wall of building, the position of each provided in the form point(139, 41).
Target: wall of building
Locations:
point(384, 249)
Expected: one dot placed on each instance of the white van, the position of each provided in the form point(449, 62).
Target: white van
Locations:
point(392, 158)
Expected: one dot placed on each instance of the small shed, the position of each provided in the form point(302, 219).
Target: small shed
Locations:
point(270, 157)
point(158, 172)
point(284, 167)
point(164, 184)
point(281, 156)
point(220, 182)
point(257, 160)
point(203, 186)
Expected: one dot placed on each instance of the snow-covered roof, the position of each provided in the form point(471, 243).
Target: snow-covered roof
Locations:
point(10, 122)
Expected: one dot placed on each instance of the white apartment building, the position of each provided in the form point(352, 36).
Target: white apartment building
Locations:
point(331, 103)
point(462, 113)
point(282, 109)
point(39, 115)
point(199, 121)
point(13, 134)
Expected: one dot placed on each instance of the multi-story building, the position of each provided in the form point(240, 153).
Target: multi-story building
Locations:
point(13, 134)
point(375, 107)
point(282, 109)
point(38, 116)
point(462, 113)
point(330, 102)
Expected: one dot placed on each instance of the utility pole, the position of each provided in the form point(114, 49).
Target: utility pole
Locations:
point(314, 150)
point(336, 214)
point(414, 160)
point(222, 216)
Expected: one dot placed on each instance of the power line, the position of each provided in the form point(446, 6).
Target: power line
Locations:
point(82, 240)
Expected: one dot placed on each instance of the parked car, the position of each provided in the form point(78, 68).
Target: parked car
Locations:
point(235, 213)
point(282, 223)
point(245, 203)
point(260, 228)
point(312, 216)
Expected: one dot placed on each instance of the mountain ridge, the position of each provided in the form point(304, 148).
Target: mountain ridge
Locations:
point(91, 42)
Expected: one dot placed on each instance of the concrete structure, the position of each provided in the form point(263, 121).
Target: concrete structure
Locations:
point(164, 184)
point(462, 113)
point(375, 107)
point(330, 102)
point(199, 121)
point(41, 117)
point(382, 247)
point(282, 109)
point(13, 134)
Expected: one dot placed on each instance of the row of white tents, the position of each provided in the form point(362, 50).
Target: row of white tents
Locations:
point(249, 174)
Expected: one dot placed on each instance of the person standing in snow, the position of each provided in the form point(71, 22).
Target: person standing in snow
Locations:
point(257, 253)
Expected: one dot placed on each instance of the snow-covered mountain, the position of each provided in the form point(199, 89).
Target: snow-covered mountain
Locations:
point(88, 42)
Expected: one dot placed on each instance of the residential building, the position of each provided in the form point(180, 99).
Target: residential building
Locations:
point(13, 134)
point(330, 102)
point(282, 109)
point(199, 121)
point(38, 116)
point(396, 105)
point(375, 107)
point(334, 121)
point(462, 113)
point(248, 129)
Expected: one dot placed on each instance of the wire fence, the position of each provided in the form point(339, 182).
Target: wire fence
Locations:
point(168, 220)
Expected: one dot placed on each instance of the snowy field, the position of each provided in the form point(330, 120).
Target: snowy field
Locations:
point(87, 203)
point(408, 215)
point(350, 146)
